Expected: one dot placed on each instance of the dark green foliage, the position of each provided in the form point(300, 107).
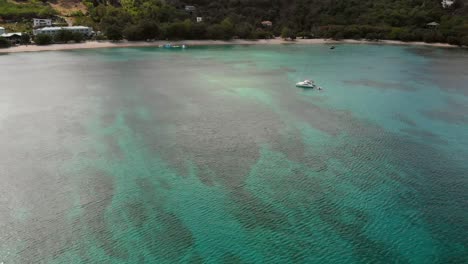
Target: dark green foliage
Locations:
point(260, 33)
point(228, 28)
point(133, 32)
point(215, 32)
point(78, 37)
point(177, 30)
point(433, 36)
point(114, 33)
point(404, 20)
point(4, 43)
point(287, 33)
point(13, 11)
point(453, 40)
point(43, 39)
point(142, 31)
point(25, 39)
point(63, 36)
point(464, 41)
point(199, 31)
point(243, 30)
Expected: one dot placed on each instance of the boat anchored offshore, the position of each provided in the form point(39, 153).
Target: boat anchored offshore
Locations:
point(306, 84)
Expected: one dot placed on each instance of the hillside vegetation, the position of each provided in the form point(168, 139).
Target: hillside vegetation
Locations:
point(10, 10)
point(223, 19)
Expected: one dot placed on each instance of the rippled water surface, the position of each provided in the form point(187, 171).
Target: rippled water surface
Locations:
point(211, 155)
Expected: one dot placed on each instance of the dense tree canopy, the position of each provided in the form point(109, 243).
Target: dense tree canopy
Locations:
point(4, 43)
point(224, 19)
point(370, 19)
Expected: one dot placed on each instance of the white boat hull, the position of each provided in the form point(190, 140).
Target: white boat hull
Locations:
point(305, 85)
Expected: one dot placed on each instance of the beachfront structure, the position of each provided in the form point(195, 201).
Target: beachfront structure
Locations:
point(267, 23)
point(199, 19)
point(38, 22)
point(2, 30)
point(87, 31)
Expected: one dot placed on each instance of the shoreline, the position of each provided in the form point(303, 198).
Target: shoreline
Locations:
point(276, 41)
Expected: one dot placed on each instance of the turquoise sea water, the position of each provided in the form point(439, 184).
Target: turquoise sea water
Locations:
point(211, 155)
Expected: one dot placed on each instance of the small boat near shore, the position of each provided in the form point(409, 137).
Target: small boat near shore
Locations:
point(306, 84)
point(170, 46)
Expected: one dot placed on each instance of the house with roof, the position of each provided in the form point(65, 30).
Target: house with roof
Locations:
point(267, 23)
point(38, 22)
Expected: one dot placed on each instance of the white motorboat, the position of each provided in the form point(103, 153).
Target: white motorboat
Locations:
point(306, 84)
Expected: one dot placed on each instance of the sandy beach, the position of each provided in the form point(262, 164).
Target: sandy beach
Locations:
point(123, 44)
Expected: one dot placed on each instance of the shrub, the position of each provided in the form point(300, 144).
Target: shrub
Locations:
point(431, 37)
point(77, 37)
point(215, 32)
point(287, 33)
point(25, 39)
point(114, 33)
point(464, 41)
point(132, 33)
point(4, 43)
point(100, 37)
point(63, 36)
point(43, 39)
point(453, 40)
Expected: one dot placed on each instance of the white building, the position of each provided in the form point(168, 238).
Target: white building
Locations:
point(447, 3)
point(54, 30)
point(190, 8)
point(2, 30)
point(38, 22)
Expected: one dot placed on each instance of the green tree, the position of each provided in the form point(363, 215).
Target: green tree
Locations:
point(464, 41)
point(63, 36)
point(227, 28)
point(4, 43)
point(453, 40)
point(199, 31)
point(43, 39)
point(25, 39)
point(261, 33)
point(149, 29)
point(78, 37)
point(176, 30)
point(287, 33)
point(133, 33)
point(114, 33)
point(244, 30)
point(215, 32)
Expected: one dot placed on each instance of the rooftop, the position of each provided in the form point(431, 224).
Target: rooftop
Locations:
point(60, 28)
point(7, 35)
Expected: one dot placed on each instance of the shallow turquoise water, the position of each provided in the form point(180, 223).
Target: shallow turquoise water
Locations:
point(211, 155)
